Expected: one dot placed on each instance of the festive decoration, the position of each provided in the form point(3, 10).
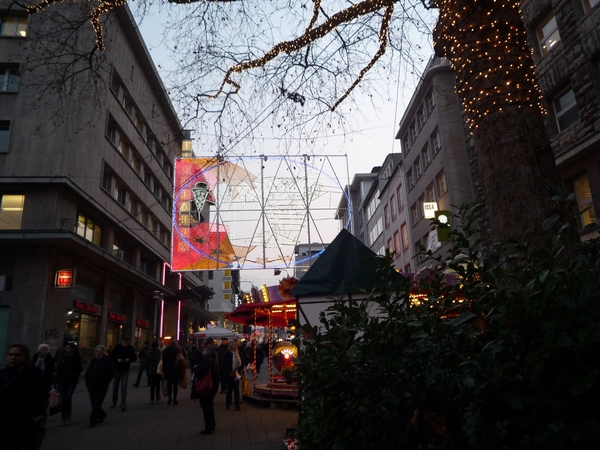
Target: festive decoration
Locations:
point(285, 286)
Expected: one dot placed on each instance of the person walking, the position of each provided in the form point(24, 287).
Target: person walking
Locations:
point(23, 402)
point(208, 363)
point(222, 350)
point(232, 365)
point(171, 371)
point(155, 377)
point(143, 355)
point(44, 361)
point(97, 379)
point(122, 355)
point(67, 377)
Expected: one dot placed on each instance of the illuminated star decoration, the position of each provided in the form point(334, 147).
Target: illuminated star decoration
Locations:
point(311, 34)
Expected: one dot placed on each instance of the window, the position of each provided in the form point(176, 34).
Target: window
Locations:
point(409, 178)
point(436, 142)
point(414, 214)
point(386, 215)
point(4, 135)
point(405, 144)
point(118, 250)
point(13, 26)
point(124, 149)
point(88, 229)
point(589, 4)
point(116, 86)
point(144, 218)
point(430, 101)
point(120, 194)
point(107, 181)
point(156, 189)
point(426, 155)
point(6, 281)
point(390, 246)
point(9, 77)
point(111, 131)
point(397, 243)
point(407, 268)
point(417, 167)
point(137, 165)
point(430, 193)
point(547, 33)
point(420, 211)
point(412, 131)
point(132, 206)
point(404, 236)
point(441, 179)
point(400, 197)
point(565, 109)
point(11, 211)
point(147, 178)
point(393, 207)
point(422, 114)
point(584, 200)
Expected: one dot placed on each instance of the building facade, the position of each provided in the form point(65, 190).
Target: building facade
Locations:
point(564, 36)
point(85, 194)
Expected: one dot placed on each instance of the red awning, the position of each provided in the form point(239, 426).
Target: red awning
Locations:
point(282, 312)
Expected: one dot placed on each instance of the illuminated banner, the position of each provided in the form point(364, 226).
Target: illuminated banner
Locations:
point(88, 308)
point(117, 317)
point(144, 323)
point(64, 278)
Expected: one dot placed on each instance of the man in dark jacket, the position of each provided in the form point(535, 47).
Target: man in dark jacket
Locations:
point(122, 355)
point(208, 363)
point(97, 378)
point(221, 351)
point(143, 356)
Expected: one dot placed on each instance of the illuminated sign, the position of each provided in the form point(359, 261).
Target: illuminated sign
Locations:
point(88, 308)
point(117, 317)
point(64, 278)
point(142, 323)
point(429, 209)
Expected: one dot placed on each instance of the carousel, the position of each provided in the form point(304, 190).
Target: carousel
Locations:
point(278, 312)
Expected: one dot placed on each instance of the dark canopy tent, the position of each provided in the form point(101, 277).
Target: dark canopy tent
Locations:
point(346, 266)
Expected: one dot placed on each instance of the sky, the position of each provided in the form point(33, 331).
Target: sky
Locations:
point(365, 146)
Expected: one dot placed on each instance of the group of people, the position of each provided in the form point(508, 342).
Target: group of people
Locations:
point(26, 381)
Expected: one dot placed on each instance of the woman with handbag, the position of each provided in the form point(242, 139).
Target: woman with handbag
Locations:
point(67, 377)
point(209, 367)
point(232, 365)
point(155, 372)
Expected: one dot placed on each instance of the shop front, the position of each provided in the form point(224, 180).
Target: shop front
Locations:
point(81, 327)
point(114, 329)
point(142, 333)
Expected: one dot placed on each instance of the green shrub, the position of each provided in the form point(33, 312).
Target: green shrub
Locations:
point(506, 357)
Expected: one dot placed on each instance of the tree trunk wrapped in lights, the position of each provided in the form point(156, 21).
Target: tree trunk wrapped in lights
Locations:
point(487, 44)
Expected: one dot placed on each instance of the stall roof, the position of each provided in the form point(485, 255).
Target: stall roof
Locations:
point(346, 266)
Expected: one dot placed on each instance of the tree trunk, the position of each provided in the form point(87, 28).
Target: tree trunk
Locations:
point(487, 44)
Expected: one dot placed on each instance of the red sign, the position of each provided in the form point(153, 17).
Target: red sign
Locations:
point(142, 323)
point(65, 278)
point(88, 308)
point(117, 317)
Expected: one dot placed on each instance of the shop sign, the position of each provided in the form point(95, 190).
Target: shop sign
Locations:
point(64, 278)
point(117, 317)
point(88, 308)
point(142, 323)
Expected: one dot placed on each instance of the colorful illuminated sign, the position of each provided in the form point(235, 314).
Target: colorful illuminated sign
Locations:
point(64, 278)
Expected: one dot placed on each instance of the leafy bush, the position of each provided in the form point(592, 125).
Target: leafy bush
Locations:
point(505, 357)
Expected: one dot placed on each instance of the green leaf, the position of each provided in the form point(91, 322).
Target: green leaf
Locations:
point(513, 400)
point(464, 317)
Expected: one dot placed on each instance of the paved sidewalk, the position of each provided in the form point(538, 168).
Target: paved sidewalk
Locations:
point(165, 427)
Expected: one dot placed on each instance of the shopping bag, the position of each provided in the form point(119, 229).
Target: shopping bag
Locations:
point(159, 368)
point(203, 385)
point(55, 402)
point(183, 380)
point(245, 386)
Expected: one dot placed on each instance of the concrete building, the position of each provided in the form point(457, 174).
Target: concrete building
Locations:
point(434, 148)
point(85, 193)
point(565, 38)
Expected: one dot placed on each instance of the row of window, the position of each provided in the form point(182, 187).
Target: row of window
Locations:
point(399, 243)
point(117, 189)
point(418, 122)
point(432, 193)
point(11, 211)
point(140, 124)
point(423, 159)
point(13, 26)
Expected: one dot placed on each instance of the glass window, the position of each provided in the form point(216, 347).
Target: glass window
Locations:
point(111, 132)
point(9, 77)
point(107, 181)
point(414, 214)
point(386, 215)
point(584, 200)
point(409, 178)
point(417, 167)
point(430, 193)
point(589, 4)
point(11, 211)
point(430, 101)
point(404, 232)
point(4, 135)
point(436, 141)
point(565, 109)
point(547, 32)
point(426, 155)
point(88, 229)
point(13, 26)
point(397, 243)
point(393, 207)
point(441, 179)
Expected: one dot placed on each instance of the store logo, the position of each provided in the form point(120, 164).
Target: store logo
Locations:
point(142, 323)
point(117, 317)
point(64, 278)
point(87, 307)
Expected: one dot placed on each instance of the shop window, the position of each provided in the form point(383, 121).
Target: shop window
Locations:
point(88, 229)
point(13, 26)
point(4, 135)
point(547, 33)
point(11, 211)
point(589, 4)
point(565, 109)
point(584, 200)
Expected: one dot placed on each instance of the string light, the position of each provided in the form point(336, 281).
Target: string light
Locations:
point(487, 45)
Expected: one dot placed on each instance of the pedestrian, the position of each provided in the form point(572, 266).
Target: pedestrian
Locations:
point(171, 371)
point(97, 379)
point(208, 363)
point(122, 355)
point(232, 366)
point(194, 356)
point(254, 354)
point(143, 355)
point(44, 361)
point(23, 402)
point(67, 377)
point(153, 373)
point(221, 352)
